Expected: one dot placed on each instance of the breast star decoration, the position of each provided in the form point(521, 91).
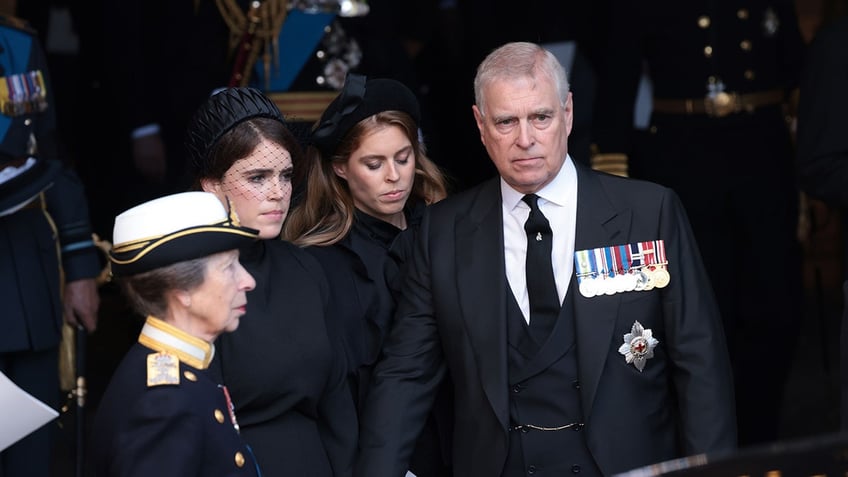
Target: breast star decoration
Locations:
point(638, 346)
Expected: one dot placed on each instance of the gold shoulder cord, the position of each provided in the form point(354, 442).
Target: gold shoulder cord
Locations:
point(263, 22)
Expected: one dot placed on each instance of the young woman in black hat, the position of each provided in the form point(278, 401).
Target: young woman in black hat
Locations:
point(282, 367)
point(177, 261)
point(368, 180)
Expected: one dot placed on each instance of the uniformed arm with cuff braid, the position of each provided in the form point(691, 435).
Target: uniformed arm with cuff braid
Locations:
point(67, 205)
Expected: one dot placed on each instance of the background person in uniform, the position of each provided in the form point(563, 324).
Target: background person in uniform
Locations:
point(284, 367)
point(47, 258)
point(468, 30)
point(722, 72)
point(590, 383)
point(823, 147)
point(171, 55)
point(177, 261)
point(369, 181)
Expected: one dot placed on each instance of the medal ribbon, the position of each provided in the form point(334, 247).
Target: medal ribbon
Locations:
point(230, 407)
point(582, 261)
point(635, 256)
point(627, 259)
point(648, 254)
point(619, 263)
point(660, 252)
point(609, 262)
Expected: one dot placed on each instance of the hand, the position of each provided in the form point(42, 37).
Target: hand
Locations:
point(149, 157)
point(81, 302)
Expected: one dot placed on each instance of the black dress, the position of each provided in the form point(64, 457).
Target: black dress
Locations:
point(366, 270)
point(285, 377)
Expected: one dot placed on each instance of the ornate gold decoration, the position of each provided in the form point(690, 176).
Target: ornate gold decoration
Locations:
point(256, 30)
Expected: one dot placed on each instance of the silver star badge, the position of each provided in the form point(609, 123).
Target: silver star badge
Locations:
point(638, 346)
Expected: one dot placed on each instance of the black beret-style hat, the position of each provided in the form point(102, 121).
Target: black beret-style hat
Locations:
point(221, 112)
point(359, 99)
point(172, 229)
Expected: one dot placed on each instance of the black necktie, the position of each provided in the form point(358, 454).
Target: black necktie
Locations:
point(544, 301)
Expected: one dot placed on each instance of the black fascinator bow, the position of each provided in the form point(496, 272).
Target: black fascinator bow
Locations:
point(328, 132)
point(358, 100)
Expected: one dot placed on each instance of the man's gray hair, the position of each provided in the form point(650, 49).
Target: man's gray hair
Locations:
point(519, 60)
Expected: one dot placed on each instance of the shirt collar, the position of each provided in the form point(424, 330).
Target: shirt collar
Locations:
point(556, 191)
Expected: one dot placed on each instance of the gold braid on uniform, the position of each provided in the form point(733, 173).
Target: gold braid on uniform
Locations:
point(262, 22)
point(610, 162)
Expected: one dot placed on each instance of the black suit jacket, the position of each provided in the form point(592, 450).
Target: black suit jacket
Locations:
point(453, 315)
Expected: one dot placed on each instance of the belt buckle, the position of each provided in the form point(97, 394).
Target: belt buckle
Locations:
point(720, 104)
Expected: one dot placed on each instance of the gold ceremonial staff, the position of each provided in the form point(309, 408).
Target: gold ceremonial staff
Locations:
point(72, 351)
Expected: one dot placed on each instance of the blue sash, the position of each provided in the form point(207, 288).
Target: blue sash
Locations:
point(298, 38)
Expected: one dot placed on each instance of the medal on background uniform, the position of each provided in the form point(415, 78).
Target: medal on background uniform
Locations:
point(23, 93)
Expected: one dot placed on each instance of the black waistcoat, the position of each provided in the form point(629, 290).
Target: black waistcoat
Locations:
point(545, 392)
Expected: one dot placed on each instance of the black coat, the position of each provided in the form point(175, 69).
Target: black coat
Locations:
point(284, 369)
point(365, 270)
point(166, 430)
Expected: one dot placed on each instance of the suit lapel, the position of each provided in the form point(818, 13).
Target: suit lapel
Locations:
point(599, 224)
point(480, 273)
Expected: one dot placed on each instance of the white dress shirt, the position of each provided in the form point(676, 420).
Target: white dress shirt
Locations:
point(558, 201)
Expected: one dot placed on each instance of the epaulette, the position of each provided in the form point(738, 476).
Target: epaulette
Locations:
point(162, 368)
point(17, 23)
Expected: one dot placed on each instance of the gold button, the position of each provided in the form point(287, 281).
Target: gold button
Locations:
point(239, 459)
point(742, 13)
point(704, 21)
point(189, 375)
point(708, 51)
point(219, 416)
point(749, 74)
point(745, 45)
point(712, 79)
point(652, 129)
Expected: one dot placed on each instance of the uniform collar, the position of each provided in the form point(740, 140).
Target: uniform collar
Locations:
point(163, 337)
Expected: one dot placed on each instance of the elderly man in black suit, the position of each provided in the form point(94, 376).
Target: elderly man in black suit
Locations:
point(627, 366)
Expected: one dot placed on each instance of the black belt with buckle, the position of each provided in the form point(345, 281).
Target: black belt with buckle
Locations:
point(719, 104)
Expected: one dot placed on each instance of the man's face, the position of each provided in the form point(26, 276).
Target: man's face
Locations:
point(525, 130)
